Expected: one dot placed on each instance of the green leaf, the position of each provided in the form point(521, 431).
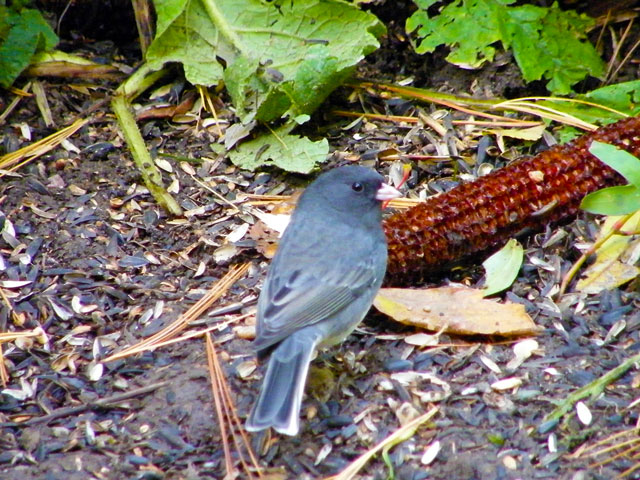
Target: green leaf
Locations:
point(283, 57)
point(289, 152)
point(245, 76)
point(496, 438)
point(316, 78)
point(619, 200)
point(547, 43)
point(458, 26)
point(387, 461)
point(567, 133)
point(620, 160)
point(185, 34)
point(22, 34)
point(300, 119)
point(624, 97)
point(561, 51)
point(502, 267)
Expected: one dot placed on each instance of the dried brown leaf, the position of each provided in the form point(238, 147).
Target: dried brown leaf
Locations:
point(456, 309)
point(266, 239)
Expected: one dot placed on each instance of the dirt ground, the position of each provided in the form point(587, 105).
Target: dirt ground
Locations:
point(104, 267)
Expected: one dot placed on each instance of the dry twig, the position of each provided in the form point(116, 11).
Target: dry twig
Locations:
point(106, 402)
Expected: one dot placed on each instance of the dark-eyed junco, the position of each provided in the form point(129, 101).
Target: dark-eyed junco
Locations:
point(321, 283)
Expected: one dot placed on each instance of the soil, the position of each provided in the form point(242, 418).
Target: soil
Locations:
point(107, 267)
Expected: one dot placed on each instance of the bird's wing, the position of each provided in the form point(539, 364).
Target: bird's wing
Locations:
point(302, 299)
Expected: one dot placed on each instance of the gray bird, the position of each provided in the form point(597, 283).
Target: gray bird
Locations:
point(321, 283)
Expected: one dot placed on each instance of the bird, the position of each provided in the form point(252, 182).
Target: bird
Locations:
point(327, 269)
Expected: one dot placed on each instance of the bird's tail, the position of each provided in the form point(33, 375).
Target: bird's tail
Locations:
point(278, 404)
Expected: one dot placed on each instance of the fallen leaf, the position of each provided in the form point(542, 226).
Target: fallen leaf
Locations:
point(531, 133)
point(615, 259)
point(270, 226)
point(502, 267)
point(455, 309)
point(281, 149)
point(266, 239)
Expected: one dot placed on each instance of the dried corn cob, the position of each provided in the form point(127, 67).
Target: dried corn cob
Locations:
point(485, 213)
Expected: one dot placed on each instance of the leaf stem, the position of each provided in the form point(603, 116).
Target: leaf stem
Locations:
point(592, 389)
point(150, 173)
point(225, 29)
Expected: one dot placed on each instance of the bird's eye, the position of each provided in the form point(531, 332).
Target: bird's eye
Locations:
point(357, 187)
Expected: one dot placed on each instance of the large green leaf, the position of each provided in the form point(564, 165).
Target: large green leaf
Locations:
point(22, 34)
point(289, 152)
point(282, 56)
point(620, 160)
point(619, 200)
point(624, 97)
point(547, 42)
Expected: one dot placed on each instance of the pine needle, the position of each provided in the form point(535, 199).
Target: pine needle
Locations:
point(14, 160)
point(228, 418)
point(172, 330)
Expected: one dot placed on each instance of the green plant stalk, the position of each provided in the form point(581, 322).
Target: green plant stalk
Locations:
point(141, 80)
point(387, 461)
point(402, 434)
point(60, 56)
point(552, 108)
point(592, 389)
point(150, 173)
